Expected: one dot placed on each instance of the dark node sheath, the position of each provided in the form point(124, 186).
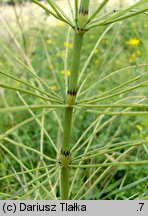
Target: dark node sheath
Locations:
point(72, 92)
point(65, 153)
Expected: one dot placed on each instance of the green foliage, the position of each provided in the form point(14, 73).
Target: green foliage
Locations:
point(31, 138)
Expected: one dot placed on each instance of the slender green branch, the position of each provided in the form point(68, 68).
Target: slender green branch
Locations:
point(141, 106)
point(118, 16)
point(40, 184)
point(39, 123)
point(113, 146)
point(100, 18)
point(109, 21)
point(110, 75)
point(144, 162)
point(116, 88)
point(29, 85)
point(98, 120)
point(17, 160)
point(33, 181)
point(6, 133)
point(2, 85)
point(107, 170)
point(41, 177)
point(96, 12)
point(128, 187)
point(20, 27)
point(92, 52)
point(43, 182)
point(27, 171)
point(33, 73)
point(60, 13)
point(121, 113)
point(29, 148)
point(83, 157)
point(75, 147)
point(99, 98)
point(122, 12)
point(46, 9)
point(71, 11)
point(126, 16)
point(32, 107)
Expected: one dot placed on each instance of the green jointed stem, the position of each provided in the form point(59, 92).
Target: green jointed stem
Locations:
point(64, 183)
point(67, 130)
point(76, 60)
point(83, 13)
point(71, 97)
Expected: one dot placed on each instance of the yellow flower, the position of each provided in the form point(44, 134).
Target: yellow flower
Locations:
point(49, 41)
point(133, 42)
point(68, 72)
point(118, 62)
point(139, 52)
point(132, 57)
point(97, 61)
point(139, 127)
point(53, 88)
point(60, 23)
point(69, 45)
point(63, 53)
point(63, 72)
point(96, 50)
point(18, 83)
point(106, 41)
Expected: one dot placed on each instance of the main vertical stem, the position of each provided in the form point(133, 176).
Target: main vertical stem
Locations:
point(70, 100)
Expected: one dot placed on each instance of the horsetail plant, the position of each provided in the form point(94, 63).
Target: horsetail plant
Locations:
point(81, 26)
point(82, 21)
